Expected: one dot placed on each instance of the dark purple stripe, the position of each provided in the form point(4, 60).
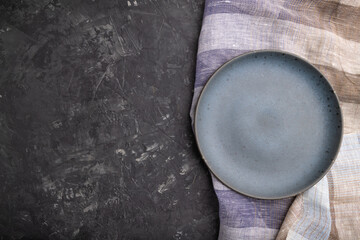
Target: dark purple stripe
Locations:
point(239, 211)
point(255, 8)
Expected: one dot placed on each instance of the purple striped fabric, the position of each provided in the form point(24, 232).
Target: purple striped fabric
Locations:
point(241, 217)
point(327, 34)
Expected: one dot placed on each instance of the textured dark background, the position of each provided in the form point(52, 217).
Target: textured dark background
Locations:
point(95, 135)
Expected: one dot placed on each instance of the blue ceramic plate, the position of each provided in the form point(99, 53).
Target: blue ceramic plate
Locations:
point(268, 124)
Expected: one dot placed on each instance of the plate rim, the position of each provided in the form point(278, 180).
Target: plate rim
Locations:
point(242, 56)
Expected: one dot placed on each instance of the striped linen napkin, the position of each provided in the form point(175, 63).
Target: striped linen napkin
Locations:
point(327, 34)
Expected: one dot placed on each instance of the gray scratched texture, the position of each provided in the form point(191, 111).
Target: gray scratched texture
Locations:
point(95, 136)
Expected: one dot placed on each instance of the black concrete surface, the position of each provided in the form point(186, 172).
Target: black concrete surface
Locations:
point(95, 135)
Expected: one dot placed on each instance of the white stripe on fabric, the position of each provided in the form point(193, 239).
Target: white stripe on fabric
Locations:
point(352, 3)
point(254, 233)
point(316, 220)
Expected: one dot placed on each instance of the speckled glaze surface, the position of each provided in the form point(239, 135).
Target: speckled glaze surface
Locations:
point(268, 124)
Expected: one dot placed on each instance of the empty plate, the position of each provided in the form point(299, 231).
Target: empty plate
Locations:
point(268, 124)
